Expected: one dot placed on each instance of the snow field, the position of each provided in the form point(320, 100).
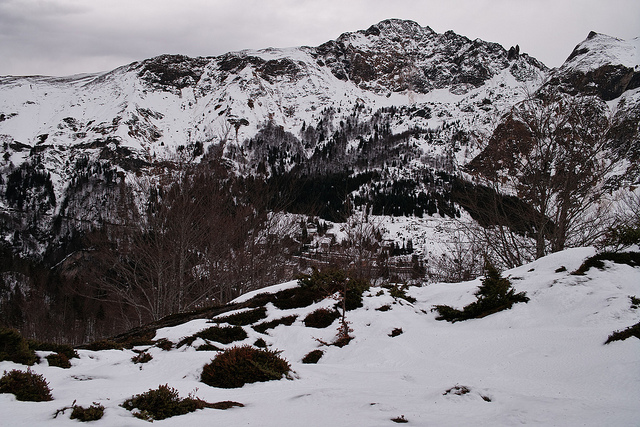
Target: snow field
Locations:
point(540, 363)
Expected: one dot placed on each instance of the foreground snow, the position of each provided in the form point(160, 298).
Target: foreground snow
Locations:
point(541, 363)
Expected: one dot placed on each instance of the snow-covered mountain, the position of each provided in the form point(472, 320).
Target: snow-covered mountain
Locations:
point(383, 120)
point(148, 109)
point(539, 363)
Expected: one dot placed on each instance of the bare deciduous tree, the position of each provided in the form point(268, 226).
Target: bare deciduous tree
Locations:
point(551, 153)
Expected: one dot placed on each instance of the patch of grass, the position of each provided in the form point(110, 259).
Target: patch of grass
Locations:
point(92, 413)
point(238, 366)
point(385, 307)
point(244, 318)
point(59, 359)
point(15, 348)
point(264, 326)
point(164, 402)
point(321, 318)
point(401, 419)
point(26, 386)
point(629, 258)
point(631, 331)
point(313, 357)
point(635, 302)
point(260, 343)
point(494, 294)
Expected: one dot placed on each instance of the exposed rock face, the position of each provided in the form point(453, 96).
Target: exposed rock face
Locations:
point(398, 55)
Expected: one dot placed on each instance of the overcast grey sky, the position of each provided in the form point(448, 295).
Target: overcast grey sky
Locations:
point(62, 37)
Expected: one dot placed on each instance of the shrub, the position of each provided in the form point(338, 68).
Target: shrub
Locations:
point(244, 318)
point(458, 390)
point(313, 356)
point(164, 344)
point(295, 298)
point(321, 318)
point(260, 343)
point(385, 307)
point(631, 331)
point(223, 334)
point(264, 326)
point(103, 345)
point(142, 357)
point(15, 348)
point(329, 282)
point(208, 347)
point(400, 420)
point(396, 332)
point(92, 413)
point(164, 402)
point(60, 360)
point(400, 292)
point(26, 386)
point(494, 294)
point(597, 261)
point(240, 365)
point(64, 349)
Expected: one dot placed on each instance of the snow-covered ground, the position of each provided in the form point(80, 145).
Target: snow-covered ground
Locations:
point(540, 363)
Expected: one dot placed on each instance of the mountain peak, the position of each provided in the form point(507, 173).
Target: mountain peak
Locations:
point(602, 65)
point(396, 26)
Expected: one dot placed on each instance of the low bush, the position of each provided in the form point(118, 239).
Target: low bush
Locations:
point(329, 282)
point(631, 331)
point(313, 356)
point(597, 261)
point(164, 402)
point(260, 343)
point(223, 334)
point(103, 345)
point(321, 318)
point(396, 332)
point(164, 344)
point(58, 359)
point(92, 413)
point(142, 357)
point(244, 318)
point(208, 347)
point(264, 326)
point(64, 349)
point(400, 292)
point(26, 386)
point(494, 294)
point(298, 297)
point(15, 348)
point(238, 366)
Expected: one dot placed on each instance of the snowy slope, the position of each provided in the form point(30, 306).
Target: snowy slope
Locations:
point(540, 363)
